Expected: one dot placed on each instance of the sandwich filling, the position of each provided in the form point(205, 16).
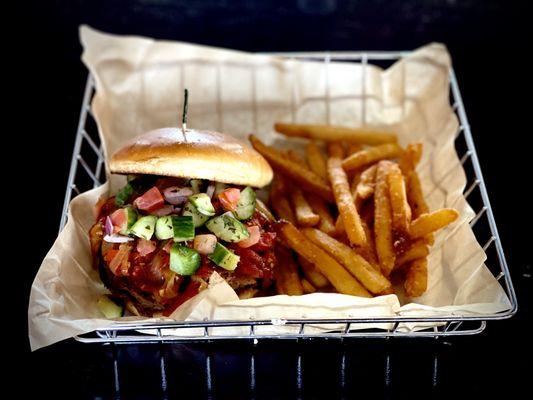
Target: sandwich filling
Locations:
point(159, 239)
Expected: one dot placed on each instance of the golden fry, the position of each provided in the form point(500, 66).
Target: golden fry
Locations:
point(415, 197)
point(410, 158)
point(372, 279)
point(278, 202)
point(345, 203)
point(307, 287)
point(416, 280)
point(383, 220)
point(308, 180)
point(288, 272)
point(316, 160)
point(331, 133)
point(336, 149)
point(416, 200)
point(366, 185)
point(369, 251)
point(371, 155)
point(294, 156)
point(418, 249)
point(304, 214)
point(429, 223)
point(354, 148)
point(401, 213)
point(339, 226)
point(326, 223)
point(341, 279)
point(312, 274)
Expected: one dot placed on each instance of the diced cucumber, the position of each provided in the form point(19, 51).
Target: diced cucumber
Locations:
point(225, 258)
point(144, 227)
point(131, 218)
point(196, 184)
point(203, 205)
point(246, 205)
point(183, 228)
point(109, 308)
point(197, 218)
point(220, 187)
point(183, 260)
point(124, 194)
point(164, 228)
point(227, 228)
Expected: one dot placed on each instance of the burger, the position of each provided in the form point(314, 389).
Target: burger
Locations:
point(188, 209)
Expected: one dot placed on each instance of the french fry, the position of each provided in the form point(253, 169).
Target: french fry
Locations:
point(416, 200)
point(278, 202)
point(316, 160)
point(429, 223)
point(345, 203)
point(416, 280)
point(307, 287)
point(410, 158)
point(383, 220)
point(415, 197)
point(369, 251)
point(371, 155)
point(339, 226)
point(336, 133)
point(288, 272)
point(418, 249)
point(372, 279)
point(341, 279)
point(294, 156)
point(312, 274)
point(336, 149)
point(367, 182)
point(401, 213)
point(354, 148)
point(303, 212)
point(308, 180)
point(326, 223)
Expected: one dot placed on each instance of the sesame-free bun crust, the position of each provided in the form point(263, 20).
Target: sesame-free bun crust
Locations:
point(194, 154)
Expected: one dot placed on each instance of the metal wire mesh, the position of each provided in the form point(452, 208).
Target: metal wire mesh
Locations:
point(87, 172)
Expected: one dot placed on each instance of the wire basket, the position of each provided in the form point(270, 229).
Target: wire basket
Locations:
point(87, 171)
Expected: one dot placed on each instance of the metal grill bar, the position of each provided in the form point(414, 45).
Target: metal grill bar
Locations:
point(451, 325)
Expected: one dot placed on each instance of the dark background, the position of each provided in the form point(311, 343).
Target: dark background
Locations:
point(489, 42)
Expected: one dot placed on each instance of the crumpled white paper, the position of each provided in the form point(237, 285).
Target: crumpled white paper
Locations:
point(140, 87)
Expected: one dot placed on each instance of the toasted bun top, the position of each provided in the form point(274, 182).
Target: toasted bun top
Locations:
point(196, 154)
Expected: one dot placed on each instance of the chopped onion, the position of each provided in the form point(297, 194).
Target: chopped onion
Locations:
point(205, 244)
point(255, 236)
point(229, 214)
point(165, 210)
point(117, 238)
point(108, 226)
point(177, 195)
point(210, 190)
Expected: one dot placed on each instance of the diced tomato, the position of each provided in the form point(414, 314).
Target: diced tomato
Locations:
point(110, 255)
point(150, 201)
point(119, 219)
point(145, 247)
point(205, 270)
point(250, 264)
point(107, 207)
point(255, 235)
point(229, 198)
point(191, 291)
point(266, 241)
point(168, 246)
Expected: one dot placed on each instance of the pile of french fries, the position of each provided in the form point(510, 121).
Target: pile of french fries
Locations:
point(352, 215)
